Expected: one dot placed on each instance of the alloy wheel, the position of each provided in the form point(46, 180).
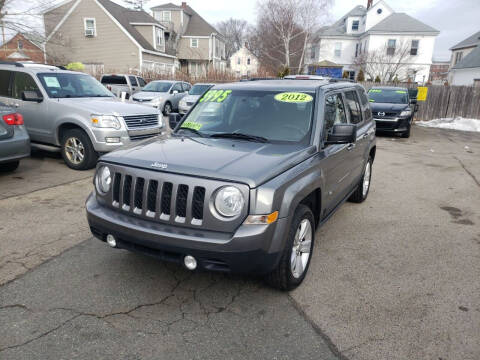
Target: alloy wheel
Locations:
point(74, 150)
point(366, 179)
point(302, 246)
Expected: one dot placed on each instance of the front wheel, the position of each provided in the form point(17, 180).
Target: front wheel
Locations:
point(77, 150)
point(11, 166)
point(293, 265)
point(363, 186)
point(406, 134)
point(167, 109)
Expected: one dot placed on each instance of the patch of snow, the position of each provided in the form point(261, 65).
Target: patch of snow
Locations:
point(457, 123)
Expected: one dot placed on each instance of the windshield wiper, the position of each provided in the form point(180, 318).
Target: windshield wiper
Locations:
point(191, 130)
point(241, 136)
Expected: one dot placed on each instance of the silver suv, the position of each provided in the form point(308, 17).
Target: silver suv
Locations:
point(118, 83)
point(74, 112)
point(163, 94)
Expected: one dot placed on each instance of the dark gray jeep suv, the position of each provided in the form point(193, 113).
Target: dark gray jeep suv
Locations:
point(244, 179)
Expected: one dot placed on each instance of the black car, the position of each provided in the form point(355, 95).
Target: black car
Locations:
point(392, 109)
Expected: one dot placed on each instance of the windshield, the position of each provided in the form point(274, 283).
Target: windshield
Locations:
point(199, 89)
point(388, 96)
point(272, 115)
point(158, 86)
point(71, 85)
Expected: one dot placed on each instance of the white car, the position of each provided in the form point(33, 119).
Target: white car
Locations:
point(162, 94)
point(194, 94)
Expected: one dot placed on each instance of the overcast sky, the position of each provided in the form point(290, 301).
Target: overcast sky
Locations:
point(456, 19)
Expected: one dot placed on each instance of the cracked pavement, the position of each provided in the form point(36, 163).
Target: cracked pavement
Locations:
point(397, 277)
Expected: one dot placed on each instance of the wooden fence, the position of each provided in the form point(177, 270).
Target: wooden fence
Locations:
point(445, 101)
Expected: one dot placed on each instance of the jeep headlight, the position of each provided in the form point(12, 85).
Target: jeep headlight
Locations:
point(103, 180)
point(229, 201)
point(406, 113)
point(106, 121)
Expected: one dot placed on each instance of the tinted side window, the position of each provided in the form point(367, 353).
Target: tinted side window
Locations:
point(367, 112)
point(5, 82)
point(141, 82)
point(114, 80)
point(353, 106)
point(334, 112)
point(178, 87)
point(23, 82)
point(133, 80)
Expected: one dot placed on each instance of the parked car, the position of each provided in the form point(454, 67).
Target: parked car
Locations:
point(194, 94)
point(14, 140)
point(242, 190)
point(393, 110)
point(118, 83)
point(163, 94)
point(74, 112)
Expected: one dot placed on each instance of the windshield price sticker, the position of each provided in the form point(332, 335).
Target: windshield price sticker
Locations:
point(401, 92)
point(375, 91)
point(293, 97)
point(51, 81)
point(215, 96)
point(191, 125)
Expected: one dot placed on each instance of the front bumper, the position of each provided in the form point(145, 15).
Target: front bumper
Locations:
point(16, 147)
point(250, 249)
point(392, 124)
point(126, 137)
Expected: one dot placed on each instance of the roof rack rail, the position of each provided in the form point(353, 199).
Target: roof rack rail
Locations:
point(17, 64)
point(260, 78)
point(340, 80)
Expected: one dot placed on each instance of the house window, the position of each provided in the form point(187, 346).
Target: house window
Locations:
point(458, 57)
point(414, 48)
point(238, 61)
point(391, 47)
point(355, 25)
point(248, 61)
point(356, 50)
point(158, 38)
point(20, 44)
point(166, 16)
point(194, 43)
point(312, 52)
point(90, 27)
point(338, 49)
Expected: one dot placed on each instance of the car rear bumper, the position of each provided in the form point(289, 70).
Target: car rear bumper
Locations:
point(16, 147)
point(250, 249)
point(392, 125)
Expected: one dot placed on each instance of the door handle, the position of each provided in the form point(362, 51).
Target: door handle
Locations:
point(350, 146)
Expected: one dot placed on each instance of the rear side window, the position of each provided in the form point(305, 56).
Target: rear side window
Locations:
point(353, 107)
point(186, 87)
point(141, 82)
point(114, 80)
point(133, 80)
point(367, 112)
point(334, 112)
point(5, 82)
point(23, 82)
point(177, 87)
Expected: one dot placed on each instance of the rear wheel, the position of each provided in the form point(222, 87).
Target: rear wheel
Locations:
point(363, 186)
point(293, 265)
point(167, 109)
point(77, 150)
point(10, 166)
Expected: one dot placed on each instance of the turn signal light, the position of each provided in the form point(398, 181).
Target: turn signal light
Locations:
point(13, 119)
point(262, 219)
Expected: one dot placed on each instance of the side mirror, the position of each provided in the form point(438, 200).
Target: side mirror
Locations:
point(342, 134)
point(32, 96)
point(174, 119)
point(413, 101)
point(174, 92)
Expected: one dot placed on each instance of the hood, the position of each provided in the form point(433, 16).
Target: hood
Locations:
point(148, 95)
point(239, 161)
point(191, 98)
point(386, 107)
point(108, 106)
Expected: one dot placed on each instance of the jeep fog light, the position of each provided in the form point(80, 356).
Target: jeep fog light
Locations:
point(229, 201)
point(104, 180)
point(190, 262)
point(261, 219)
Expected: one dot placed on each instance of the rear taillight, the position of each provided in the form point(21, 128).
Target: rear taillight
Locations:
point(13, 119)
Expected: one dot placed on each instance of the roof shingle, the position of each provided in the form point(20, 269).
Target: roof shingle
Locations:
point(401, 22)
point(472, 60)
point(468, 42)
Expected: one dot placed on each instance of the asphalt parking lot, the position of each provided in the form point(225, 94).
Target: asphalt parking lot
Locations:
point(397, 277)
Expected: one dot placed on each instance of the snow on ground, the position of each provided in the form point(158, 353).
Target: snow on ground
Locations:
point(457, 123)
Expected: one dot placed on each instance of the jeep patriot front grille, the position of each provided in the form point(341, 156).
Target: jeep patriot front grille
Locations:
point(156, 199)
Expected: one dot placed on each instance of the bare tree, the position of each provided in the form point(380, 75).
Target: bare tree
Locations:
point(136, 4)
point(388, 63)
point(235, 33)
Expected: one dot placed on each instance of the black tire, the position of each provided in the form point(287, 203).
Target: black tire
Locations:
point(406, 134)
point(10, 166)
point(89, 155)
point(359, 196)
point(167, 108)
point(282, 277)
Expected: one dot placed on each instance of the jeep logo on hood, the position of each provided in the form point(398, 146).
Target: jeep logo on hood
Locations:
point(159, 165)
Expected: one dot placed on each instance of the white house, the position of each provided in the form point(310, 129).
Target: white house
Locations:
point(243, 62)
point(374, 29)
point(465, 62)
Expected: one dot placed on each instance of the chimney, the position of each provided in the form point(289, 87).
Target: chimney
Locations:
point(369, 4)
point(184, 4)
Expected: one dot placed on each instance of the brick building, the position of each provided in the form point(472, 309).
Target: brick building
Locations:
point(22, 48)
